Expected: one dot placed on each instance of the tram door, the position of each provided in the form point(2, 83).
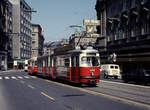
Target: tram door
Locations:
point(75, 71)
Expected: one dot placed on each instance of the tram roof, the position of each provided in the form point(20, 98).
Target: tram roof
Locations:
point(87, 50)
point(77, 50)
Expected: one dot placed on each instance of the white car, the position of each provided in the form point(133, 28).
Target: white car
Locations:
point(110, 70)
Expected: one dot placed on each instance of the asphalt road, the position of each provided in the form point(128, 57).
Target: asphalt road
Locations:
point(19, 91)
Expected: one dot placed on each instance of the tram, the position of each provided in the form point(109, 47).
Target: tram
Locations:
point(74, 65)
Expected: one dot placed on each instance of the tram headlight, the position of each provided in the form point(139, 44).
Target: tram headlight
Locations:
point(92, 73)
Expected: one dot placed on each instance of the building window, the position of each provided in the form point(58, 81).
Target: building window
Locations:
point(33, 34)
point(33, 42)
point(145, 24)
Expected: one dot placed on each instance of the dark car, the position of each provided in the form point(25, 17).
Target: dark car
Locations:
point(139, 76)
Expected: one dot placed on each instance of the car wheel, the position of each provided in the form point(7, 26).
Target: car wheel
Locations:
point(105, 76)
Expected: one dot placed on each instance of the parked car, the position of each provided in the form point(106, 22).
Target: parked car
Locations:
point(138, 76)
point(110, 70)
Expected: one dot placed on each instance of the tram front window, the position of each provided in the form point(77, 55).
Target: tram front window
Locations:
point(90, 61)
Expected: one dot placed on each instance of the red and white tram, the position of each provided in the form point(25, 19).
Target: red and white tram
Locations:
point(76, 65)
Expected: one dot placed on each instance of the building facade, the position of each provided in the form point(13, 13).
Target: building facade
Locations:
point(125, 31)
point(5, 37)
point(21, 35)
point(49, 47)
point(37, 40)
point(46, 48)
point(82, 41)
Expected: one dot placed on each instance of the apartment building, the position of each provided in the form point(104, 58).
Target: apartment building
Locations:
point(21, 32)
point(37, 40)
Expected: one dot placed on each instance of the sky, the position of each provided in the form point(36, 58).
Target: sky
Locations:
point(56, 16)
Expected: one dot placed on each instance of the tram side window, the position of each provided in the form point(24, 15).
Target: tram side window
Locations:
point(47, 62)
point(54, 62)
point(67, 62)
point(75, 61)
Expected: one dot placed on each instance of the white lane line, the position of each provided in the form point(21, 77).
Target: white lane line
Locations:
point(33, 76)
point(132, 85)
point(13, 77)
point(26, 76)
point(20, 77)
point(7, 77)
point(1, 78)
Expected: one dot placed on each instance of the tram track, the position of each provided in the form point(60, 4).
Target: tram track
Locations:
point(135, 93)
point(120, 96)
point(123, 91)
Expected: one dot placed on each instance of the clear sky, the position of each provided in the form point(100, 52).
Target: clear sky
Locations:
point(55, 16)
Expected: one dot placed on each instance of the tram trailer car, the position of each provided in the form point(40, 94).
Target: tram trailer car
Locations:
point(32, 68)
point(78, 66)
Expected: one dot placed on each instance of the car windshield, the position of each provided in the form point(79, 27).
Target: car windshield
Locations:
point(112, 67)
point(90, 61)
point(116, 67)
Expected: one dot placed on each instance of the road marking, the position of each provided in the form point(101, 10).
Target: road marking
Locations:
point(13, 77)
point(26, 76)
point(20, 77)
point(31, 86)
point(7, 77)
point(47, 96)
point(124, 100)
point(33, 77)
point(1, 78)
point(133, 85)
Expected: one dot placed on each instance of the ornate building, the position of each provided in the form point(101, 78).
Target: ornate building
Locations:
point(5, 37)
point(125, 30)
